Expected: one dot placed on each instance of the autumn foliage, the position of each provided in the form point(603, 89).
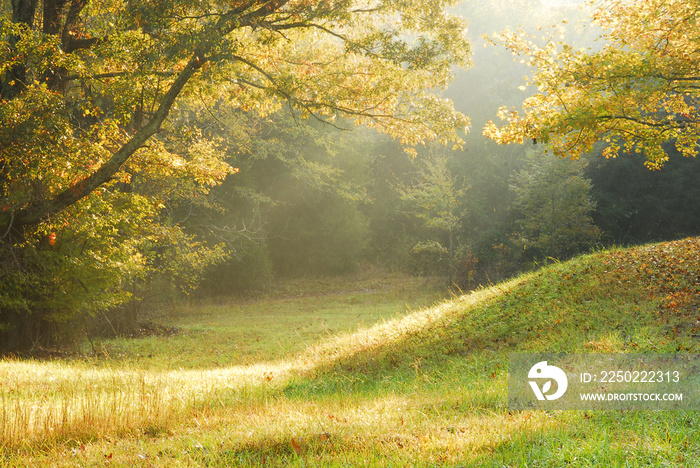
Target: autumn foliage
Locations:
point(670, 275)
point(636, 92)
point(99, 164)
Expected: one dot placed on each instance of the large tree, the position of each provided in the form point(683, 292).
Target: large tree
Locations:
point(323, 57)
point(95, 140)
point(637, 91)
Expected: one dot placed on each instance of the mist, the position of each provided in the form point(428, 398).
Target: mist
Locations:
point(328, 202)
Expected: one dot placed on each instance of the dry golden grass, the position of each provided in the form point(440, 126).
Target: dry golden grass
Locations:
point(58, 400)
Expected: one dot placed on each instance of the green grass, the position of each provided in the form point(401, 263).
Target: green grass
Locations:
point(225, 332)
point(418, 387)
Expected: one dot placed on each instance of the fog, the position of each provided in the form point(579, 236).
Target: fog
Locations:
point(331, 203)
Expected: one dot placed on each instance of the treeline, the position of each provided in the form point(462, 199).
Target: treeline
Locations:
point(325, 201)
point(318, 201)
point(118, 118)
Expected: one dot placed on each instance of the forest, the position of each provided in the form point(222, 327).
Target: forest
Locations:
point(156, 150)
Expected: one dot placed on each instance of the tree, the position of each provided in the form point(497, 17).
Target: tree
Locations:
point(552, 199)
point(95, 151)
point(142, 55)
point(435, 196)
point(636, 92)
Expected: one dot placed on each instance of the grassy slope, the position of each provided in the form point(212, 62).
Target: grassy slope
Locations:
point(424, 389)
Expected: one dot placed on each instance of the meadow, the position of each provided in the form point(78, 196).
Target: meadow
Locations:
point(376, 369)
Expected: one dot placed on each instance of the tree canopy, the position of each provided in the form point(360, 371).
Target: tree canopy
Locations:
point(109, 74)
point(97, 147)
point(637, 91)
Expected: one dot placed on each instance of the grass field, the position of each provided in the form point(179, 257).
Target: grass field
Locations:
point(373, 370)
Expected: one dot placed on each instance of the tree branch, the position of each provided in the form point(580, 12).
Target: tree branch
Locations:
point(37, 211)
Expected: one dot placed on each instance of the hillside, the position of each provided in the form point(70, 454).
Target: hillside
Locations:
point(427, 388)
point(642, 299)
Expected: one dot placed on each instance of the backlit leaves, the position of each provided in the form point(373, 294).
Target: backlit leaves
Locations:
point(637, 92)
